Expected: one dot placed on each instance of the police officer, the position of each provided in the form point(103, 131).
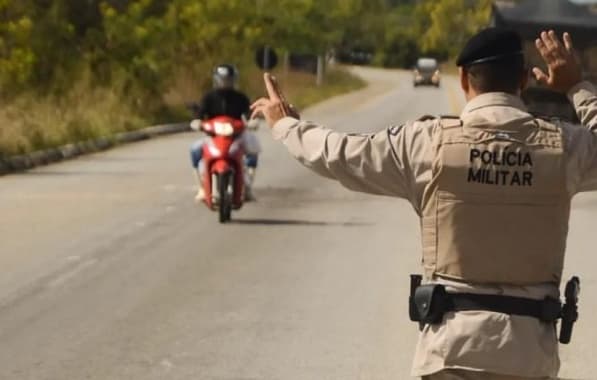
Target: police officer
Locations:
point(492, 189)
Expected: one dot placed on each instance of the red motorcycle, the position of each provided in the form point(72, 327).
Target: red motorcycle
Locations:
point(223, 154)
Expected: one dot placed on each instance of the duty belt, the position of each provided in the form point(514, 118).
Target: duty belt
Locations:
point(429, 303)
point(546, 310)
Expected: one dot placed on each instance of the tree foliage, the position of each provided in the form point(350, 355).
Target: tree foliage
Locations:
point(46, 44)
point(75, 69)
point(398, 31)
point(450, 23)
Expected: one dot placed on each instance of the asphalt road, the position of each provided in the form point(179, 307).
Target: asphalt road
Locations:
point(109, 271)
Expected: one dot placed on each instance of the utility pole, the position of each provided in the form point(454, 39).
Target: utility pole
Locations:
point(320, 69)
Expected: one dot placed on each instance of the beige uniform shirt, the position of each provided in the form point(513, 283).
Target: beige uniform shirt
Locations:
point(397, 162)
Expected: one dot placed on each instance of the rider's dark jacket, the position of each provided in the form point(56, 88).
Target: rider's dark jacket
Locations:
point(223, 102)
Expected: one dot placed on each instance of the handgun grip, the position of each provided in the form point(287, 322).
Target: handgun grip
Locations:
point(572, 289)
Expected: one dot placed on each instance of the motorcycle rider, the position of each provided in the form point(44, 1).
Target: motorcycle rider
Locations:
point(225, 100)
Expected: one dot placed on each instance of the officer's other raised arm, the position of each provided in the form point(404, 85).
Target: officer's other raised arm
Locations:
point(368, 163)
point(565, 75)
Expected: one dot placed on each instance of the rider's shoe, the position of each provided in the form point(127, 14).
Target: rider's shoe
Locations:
point(249, 196)
point(200, 196)
point(249, 178)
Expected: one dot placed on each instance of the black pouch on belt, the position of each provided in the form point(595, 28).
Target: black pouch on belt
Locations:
point(431, 303)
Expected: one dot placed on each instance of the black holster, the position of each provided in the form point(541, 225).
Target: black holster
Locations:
point(430, 302)
point(427, 303)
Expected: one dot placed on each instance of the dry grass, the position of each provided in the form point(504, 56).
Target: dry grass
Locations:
point(28, 124)
point(301, 88)
point(449, 67)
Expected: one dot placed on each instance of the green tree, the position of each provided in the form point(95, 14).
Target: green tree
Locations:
point(17, 58)
point(447, 24)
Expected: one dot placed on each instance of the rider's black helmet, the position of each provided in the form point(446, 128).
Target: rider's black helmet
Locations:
point(225, 76)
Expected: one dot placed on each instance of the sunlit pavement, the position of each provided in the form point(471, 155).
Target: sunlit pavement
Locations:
point(109, 271)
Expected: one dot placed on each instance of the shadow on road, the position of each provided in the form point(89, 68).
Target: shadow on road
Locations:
point(295, 222)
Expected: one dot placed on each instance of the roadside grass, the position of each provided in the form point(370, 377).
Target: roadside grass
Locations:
point(29, 123)
point(301, 90)
point(449, 67)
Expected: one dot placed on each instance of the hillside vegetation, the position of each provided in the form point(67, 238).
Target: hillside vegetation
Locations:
point(73, 69)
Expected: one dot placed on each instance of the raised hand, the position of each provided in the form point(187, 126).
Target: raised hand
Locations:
point(274, 107)
point(564, 69)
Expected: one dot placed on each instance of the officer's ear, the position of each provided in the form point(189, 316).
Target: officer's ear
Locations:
point(464, 83)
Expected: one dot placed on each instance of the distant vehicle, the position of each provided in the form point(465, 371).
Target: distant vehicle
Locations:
point(426, 71)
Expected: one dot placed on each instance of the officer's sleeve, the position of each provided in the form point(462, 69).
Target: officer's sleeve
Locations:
point(584, 99)
point(367, 163)
point(582, 142)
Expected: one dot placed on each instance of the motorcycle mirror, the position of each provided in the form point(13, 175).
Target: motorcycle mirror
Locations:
point(196, 125)
point(253, 124)
point(266, 58)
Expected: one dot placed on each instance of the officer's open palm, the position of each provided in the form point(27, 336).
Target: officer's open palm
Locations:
point(563, 64)
point(274, 107)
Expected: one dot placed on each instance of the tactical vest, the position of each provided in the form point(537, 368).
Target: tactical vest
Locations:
point(496, 209)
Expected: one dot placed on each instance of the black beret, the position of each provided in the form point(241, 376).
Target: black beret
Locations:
point(490, 44)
